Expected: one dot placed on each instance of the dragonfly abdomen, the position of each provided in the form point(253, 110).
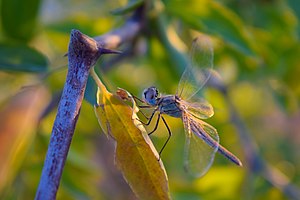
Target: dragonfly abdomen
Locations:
point(200, 132)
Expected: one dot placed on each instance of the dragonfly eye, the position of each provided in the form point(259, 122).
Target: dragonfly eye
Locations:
point(150, 95)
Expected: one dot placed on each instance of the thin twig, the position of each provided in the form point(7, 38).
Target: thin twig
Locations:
point(127, 32)
point(256, 163)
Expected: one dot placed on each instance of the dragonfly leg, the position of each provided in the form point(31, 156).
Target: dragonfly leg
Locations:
point(170, 134)
point(149, 119)
point(156, 125)
point(143, 112)
point(142, 106)
point(143, 115)
point(136, 98)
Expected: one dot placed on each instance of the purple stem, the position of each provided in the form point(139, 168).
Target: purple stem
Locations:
point(83, 53)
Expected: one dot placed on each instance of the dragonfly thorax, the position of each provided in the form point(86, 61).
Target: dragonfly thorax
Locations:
point(150, 95)
point(170, 105)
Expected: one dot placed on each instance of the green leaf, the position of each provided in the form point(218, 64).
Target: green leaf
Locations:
point(21, 58)
point(295, 5)
point(19, 18)
point(214, 18)
point(132, 5)
point(90, 91)
point(135, 154)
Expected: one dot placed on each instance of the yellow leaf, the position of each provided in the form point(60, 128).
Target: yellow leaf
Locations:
point(135, 154)
point(125, 95)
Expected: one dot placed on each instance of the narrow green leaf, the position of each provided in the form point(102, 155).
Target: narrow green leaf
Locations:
point(19, 18)
point(21, 58)
point(135, 154)
point(228, 25)
point(132, 5)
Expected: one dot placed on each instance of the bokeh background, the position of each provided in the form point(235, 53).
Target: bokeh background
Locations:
point(257, 115)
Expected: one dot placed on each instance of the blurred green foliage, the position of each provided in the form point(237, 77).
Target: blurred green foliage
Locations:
point(256, 46)
point(19, 18)
point(21, 58)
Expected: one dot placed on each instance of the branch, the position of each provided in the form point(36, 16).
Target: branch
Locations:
point(82, 54)
point(123, 34)
point(111, 40)
point(255, 161)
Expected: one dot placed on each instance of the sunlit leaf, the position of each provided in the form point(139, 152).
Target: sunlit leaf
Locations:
point(135, 154)
point(21, 58)
point(132, 5)
point(18, 121)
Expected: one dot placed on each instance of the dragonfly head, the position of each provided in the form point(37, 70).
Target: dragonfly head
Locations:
point(150, 95)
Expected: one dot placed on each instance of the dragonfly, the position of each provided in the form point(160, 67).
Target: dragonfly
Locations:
point(202, 140)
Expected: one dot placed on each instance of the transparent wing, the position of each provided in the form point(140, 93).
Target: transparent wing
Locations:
point(201, 145)
point(200, 109)
point(197, 72)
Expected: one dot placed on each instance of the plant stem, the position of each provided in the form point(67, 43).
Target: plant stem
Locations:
point(95, 77)
point(83, 53)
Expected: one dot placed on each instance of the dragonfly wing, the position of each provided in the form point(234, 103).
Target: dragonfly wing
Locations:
point(201, 146)
point(200, 109)
point(197, 72)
